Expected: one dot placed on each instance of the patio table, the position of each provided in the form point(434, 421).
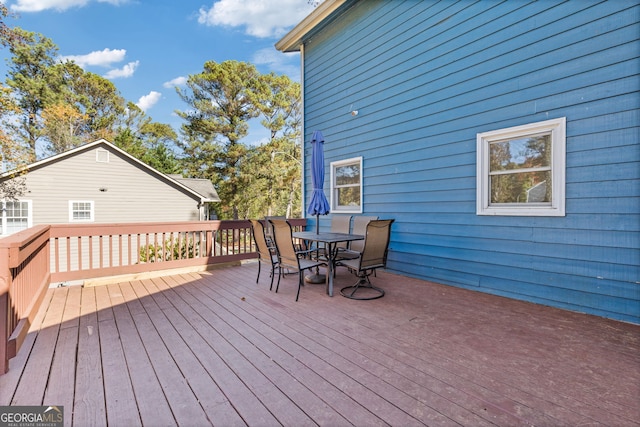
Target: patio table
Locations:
point(331, 240)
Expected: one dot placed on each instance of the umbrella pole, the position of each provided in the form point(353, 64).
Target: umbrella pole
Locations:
point(316, 278)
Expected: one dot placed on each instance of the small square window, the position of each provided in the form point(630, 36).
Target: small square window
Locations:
point(80, 211)
point(521, 170)
point(102, 156)
point(346, 186)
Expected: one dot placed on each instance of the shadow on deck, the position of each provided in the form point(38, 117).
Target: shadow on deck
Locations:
point(216, 348)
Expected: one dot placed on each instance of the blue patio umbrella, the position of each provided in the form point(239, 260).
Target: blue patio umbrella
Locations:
point(318, 205)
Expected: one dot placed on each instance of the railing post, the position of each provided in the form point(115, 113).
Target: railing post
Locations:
point(5, 285)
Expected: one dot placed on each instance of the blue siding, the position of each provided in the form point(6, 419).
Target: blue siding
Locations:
point(427, 76)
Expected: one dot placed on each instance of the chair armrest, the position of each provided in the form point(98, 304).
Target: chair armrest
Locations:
point(305, 252)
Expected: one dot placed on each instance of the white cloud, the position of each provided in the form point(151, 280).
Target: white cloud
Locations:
point(261, 18)
point(124, 72)
point(178, 81)
point(147, 101)
point(105, 58)
point(40, 5)
point(114, 2)
point(101, 58)
point(288, 63)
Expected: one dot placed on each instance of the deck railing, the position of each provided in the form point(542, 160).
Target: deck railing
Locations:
point(33, 259)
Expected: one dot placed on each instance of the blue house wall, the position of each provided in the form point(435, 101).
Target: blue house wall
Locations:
point(427, 76)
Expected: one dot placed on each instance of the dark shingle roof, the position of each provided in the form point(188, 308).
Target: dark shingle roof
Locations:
point(204, 187)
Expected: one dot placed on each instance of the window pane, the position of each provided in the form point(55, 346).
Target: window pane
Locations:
point(16, 224)
point(347, 174)
point(17, 209)
point(348, 196)
point(81, 210)
point(528, 187)
point(532, 152)
point(81, 215)
point(17, 215)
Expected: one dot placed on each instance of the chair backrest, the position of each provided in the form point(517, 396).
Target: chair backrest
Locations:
point(283, 235)
point(261, 242)
point(376, 244)
point(341, 224)
point(360, 227)
point(268, 229)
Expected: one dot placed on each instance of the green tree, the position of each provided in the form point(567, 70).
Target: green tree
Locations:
point(36, 83)
point(222, 99)
point(61, 124)
point(280, 108)
point(148, 141)
point(272, 173)
point(159, 138)
point(7, 35)
point(89, 107)
point(271, 180)
point(96, 98)
point(252, 181)
point(60, 105)
point(12, 154)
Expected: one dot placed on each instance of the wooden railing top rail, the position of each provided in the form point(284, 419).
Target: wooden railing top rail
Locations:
point(93, 229)
point(19, 246)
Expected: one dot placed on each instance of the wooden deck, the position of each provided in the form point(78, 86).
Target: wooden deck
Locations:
point(216, 348)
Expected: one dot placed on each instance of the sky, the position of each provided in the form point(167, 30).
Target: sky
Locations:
point(148, 47)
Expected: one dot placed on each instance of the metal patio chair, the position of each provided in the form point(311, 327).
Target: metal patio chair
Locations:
point(360, 223)
point(355, 247)
point(373, 256)
point(268, 229)
point(288, 256)
point(266, 253)
point(339, 224)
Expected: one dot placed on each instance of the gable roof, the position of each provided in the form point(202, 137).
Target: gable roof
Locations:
point(199, 185)
point(202, 191)
point(327, 10)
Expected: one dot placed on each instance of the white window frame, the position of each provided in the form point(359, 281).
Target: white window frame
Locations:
point(3, 215)
point(91, 211)
point(556, 128)
point(102, 156)
point(334, 190)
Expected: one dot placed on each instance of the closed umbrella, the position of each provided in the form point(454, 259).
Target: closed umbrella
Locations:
point(318, 205)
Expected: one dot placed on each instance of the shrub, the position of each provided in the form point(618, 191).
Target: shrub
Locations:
point(170, 250)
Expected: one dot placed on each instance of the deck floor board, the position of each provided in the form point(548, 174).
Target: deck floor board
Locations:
point(89, 403)
point(217, 348)
point(120, 399)
point(145, 375)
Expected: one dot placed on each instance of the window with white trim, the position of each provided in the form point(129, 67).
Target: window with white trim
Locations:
point(346, 186)
point(102, 156)
point(521, 170)
point(80, 211)
point(16, 216)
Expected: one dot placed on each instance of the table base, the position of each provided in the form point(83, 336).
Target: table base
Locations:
point(315, 279)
